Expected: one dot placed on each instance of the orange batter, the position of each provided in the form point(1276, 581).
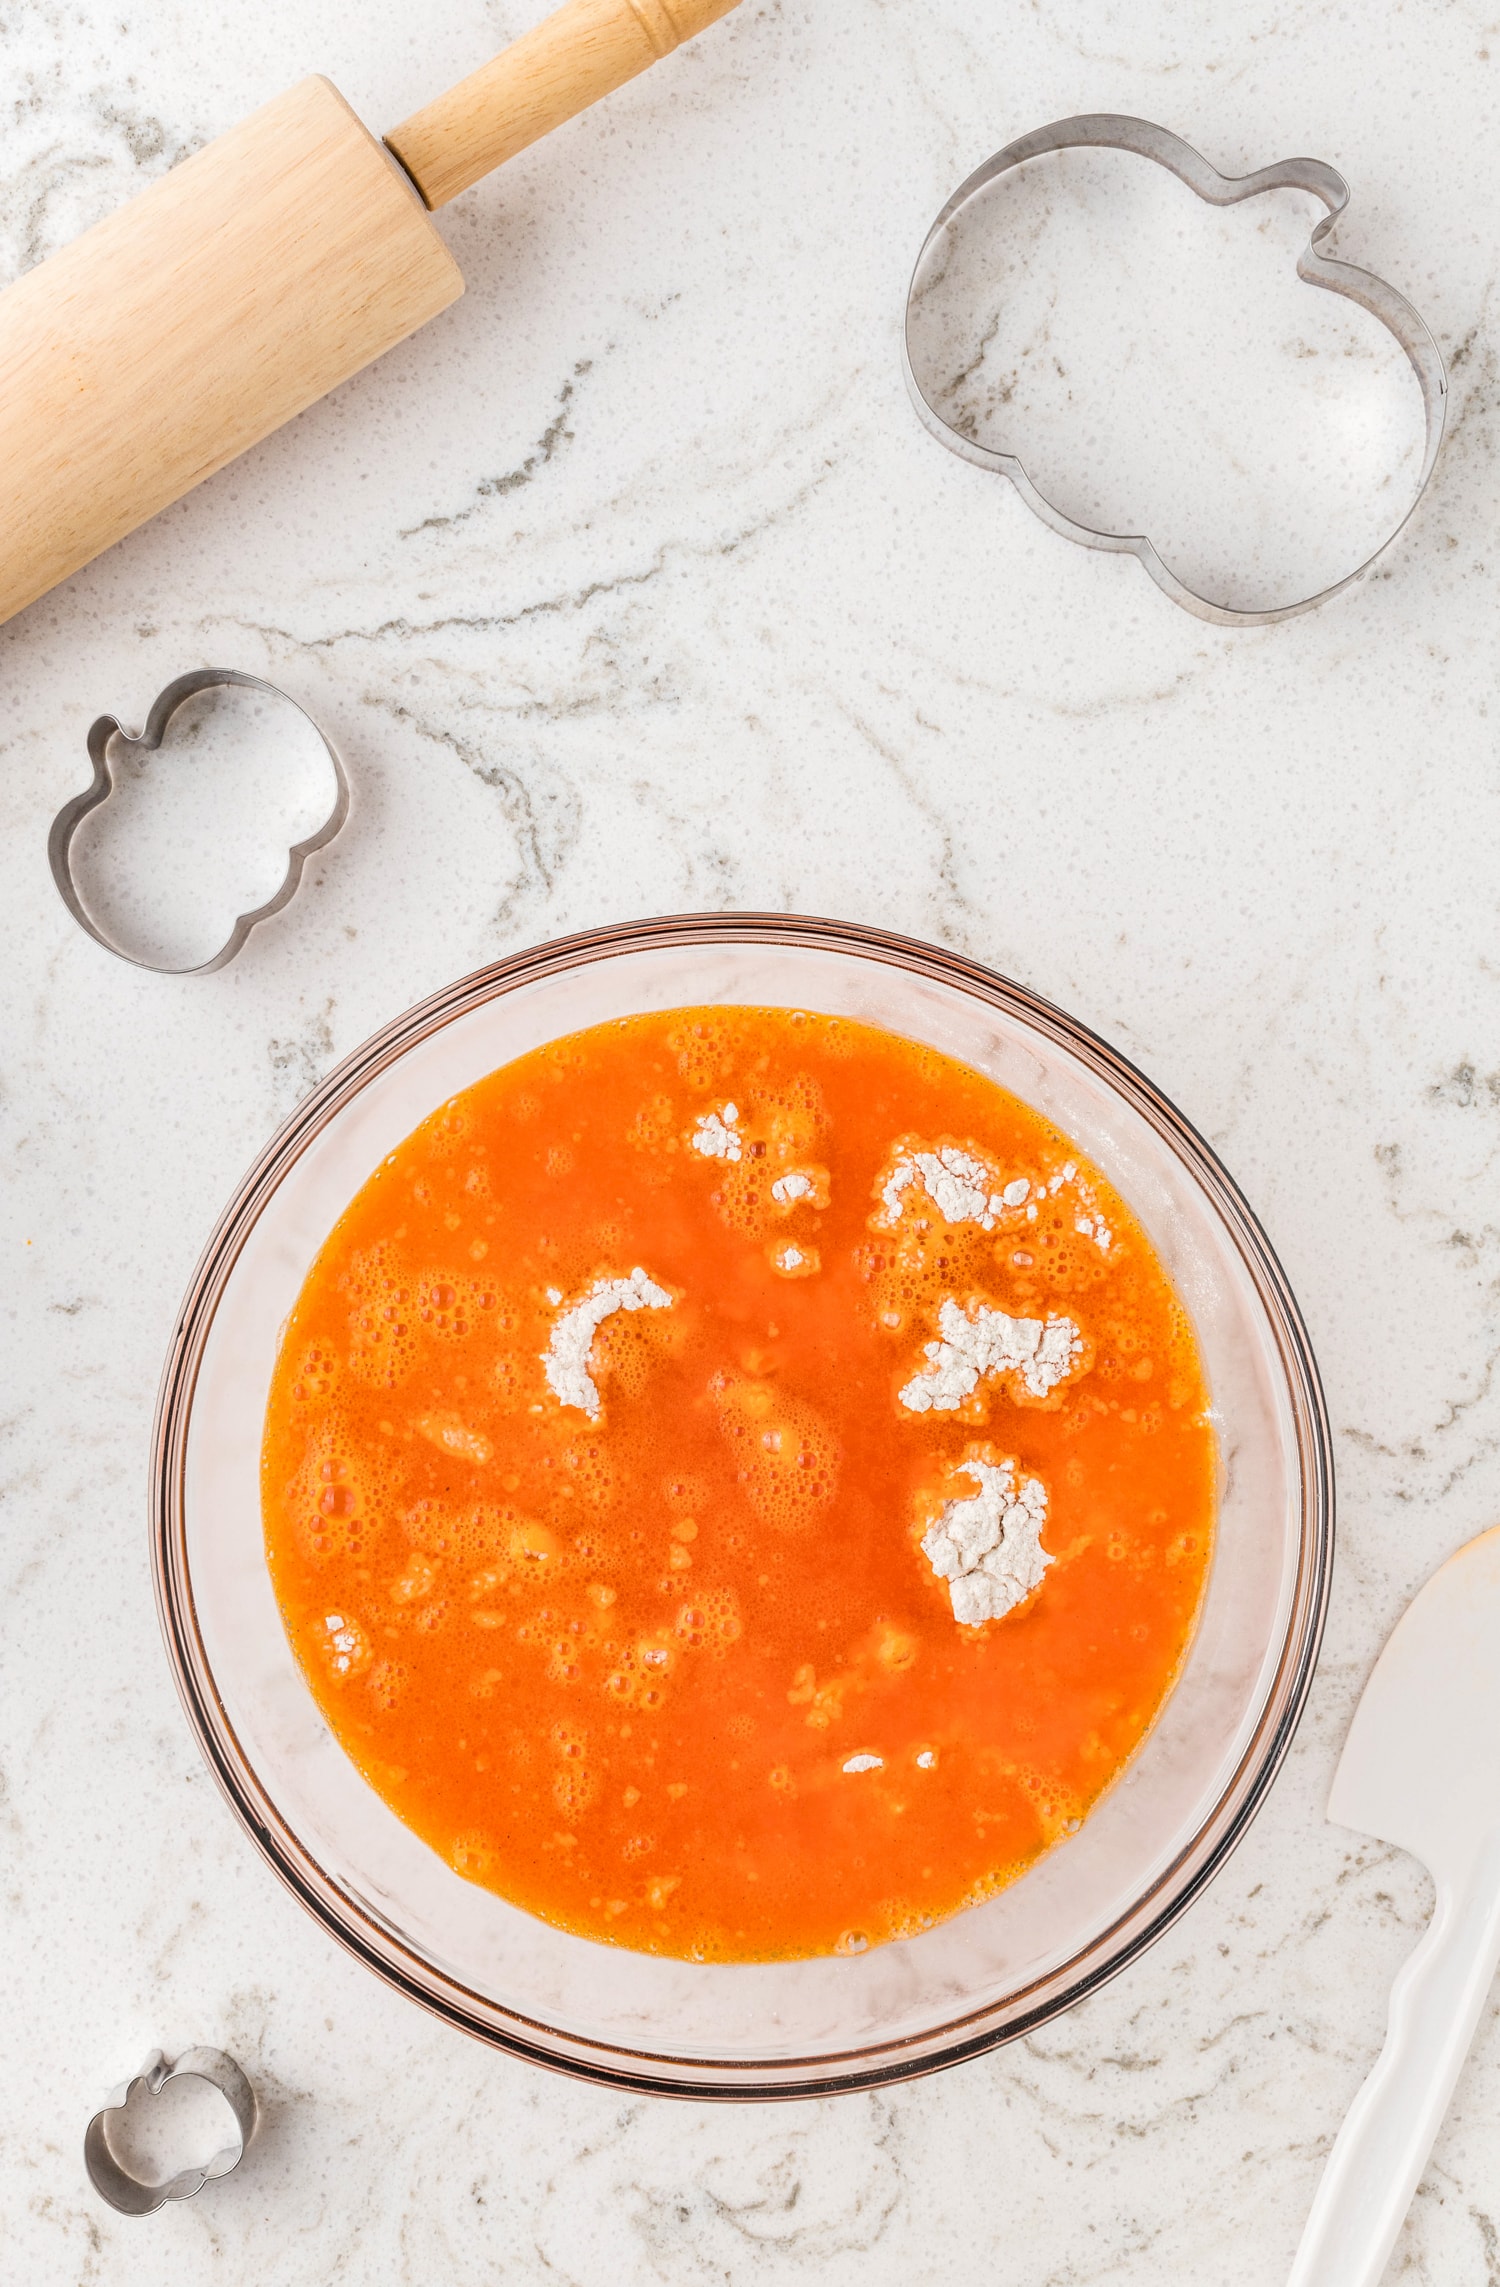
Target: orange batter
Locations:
point(739, 1484)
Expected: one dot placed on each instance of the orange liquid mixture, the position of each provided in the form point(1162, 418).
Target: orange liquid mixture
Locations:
point(739, 1484)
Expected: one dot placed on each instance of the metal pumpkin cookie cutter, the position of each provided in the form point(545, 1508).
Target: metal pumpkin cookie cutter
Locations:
point(133, 2195)
point(101, 739)
point(1117, 132)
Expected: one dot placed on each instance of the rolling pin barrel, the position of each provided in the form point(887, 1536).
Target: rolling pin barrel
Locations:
point(255, 277)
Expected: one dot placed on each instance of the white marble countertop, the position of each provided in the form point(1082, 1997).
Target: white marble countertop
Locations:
point(633, 586)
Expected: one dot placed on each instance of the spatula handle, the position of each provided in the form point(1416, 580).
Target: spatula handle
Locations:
point(1381, 2150)
point(566, 63)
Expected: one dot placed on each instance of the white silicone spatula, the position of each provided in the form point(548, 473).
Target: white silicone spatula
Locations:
point(1420, 1768)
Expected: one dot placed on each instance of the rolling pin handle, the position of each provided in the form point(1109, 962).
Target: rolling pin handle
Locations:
point(559, 68)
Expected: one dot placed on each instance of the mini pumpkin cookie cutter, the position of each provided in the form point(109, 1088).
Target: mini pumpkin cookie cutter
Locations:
point(131, 2194)
point(1115, 131)
point(72, 814)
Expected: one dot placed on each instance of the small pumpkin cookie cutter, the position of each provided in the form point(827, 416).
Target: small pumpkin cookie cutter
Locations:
point(1114, 131)
point(100, 741)
point(132, 2195)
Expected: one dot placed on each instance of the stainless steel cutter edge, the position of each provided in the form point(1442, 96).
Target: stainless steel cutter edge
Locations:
point(72, 814)
point(130, 2194)
point(1117, 131)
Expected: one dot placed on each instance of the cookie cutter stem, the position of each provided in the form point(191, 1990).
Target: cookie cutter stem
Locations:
point(1116, 131)
point(72, 814)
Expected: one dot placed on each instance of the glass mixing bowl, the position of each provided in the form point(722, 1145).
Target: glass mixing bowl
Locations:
point(764, 2029)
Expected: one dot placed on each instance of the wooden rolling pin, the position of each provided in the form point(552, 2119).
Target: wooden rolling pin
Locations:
point(255, 277)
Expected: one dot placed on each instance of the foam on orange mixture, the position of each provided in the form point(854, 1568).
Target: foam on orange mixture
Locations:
point(654, 1434)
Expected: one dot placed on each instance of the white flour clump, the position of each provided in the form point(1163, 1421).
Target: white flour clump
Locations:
point(958, 1185)
point(567, 1356)
point(1087, 1221)
point(988, 1344)
point(786, 1188)
point(1094, 1227)
point(989, 1548)
point(714, 1135)
point(344, 1642)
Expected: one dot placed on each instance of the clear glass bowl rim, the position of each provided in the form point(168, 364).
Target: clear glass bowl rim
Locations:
point(1148, 1918)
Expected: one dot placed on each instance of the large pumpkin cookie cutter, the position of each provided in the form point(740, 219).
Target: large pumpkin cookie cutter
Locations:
point(1116, 132)
point(101, 741)
point(133, 2195)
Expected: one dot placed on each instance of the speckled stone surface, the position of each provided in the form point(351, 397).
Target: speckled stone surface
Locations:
point(633, 586)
